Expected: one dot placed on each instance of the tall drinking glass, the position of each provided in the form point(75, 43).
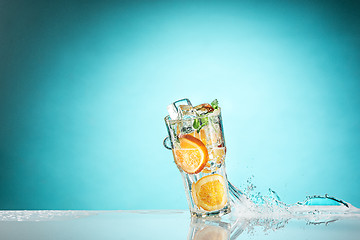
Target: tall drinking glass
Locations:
point(199, 150)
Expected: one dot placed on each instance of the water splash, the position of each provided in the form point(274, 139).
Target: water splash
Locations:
point(252, 210)
point(249, 203)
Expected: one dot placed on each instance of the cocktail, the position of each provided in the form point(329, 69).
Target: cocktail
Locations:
point(197, 141)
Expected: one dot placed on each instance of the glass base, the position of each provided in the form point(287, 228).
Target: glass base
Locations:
point(218, 213)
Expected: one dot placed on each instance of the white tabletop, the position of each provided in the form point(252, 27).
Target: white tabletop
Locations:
point(165, 224)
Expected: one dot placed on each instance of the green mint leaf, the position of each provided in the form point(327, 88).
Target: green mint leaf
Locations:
point(204, 121)
point(196, 123)
point(215, 104)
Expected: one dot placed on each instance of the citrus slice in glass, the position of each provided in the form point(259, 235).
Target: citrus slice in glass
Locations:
point(192, 155)
point(209, 192)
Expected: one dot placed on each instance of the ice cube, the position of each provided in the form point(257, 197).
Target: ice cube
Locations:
point(187, 112)
point(181, 109)
point(203, 109)
point(173, 112)
point(216, 135)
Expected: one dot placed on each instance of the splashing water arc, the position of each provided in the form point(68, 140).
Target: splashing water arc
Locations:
point(246, 203)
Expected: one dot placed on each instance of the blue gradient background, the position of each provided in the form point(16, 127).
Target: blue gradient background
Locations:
point(84, 87)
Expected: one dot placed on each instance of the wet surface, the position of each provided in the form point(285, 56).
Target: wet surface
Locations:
point(168, 224)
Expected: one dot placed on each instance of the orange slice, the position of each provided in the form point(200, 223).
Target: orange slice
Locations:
point(192, 155)
point(209, 193)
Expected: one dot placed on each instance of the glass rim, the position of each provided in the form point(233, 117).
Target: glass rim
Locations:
point(169, 121)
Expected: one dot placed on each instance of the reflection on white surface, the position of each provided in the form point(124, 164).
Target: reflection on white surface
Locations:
point(211, 233)
point(209, 229)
